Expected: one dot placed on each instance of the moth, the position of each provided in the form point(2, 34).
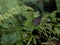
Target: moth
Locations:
point(37, 20)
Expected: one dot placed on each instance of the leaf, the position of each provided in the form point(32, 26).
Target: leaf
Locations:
point(29, 41)
point(57, 30)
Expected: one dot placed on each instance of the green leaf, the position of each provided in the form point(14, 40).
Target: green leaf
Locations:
point(57, 30)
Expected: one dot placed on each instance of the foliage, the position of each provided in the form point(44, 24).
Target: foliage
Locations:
point(17, 26)
point(58, 5)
